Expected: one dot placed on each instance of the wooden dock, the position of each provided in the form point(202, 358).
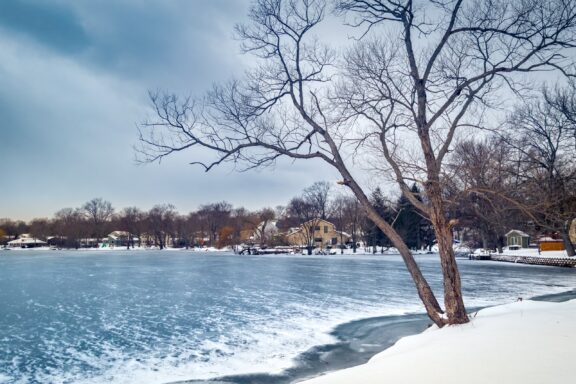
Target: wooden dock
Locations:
point(548, 261)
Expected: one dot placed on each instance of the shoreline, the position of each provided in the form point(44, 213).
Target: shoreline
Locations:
point(321, 363)
point(531, 341)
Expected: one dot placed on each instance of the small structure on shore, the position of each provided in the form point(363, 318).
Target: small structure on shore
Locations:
point(517, 239)
point(550, 244)
point(27, 241)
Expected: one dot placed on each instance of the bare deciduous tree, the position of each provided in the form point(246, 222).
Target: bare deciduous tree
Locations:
point(131, 219)
point(402, 93)
point(318, 194)
point(160, 222)
point(484, 188)
point(543, 137)
point(263, 228)
point(98, 212)
point(212, 217)
point(308, 217)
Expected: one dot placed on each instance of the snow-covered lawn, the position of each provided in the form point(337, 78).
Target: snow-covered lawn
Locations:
point(532, 252)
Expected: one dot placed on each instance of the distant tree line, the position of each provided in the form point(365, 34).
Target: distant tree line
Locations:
point(220, 224)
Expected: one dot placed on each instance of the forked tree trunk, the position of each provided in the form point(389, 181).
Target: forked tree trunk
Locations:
point(453, 301)
point(433, 309)
point(425, 293)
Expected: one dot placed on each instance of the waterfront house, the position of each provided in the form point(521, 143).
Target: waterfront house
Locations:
point(26, 241)
point(120, 239)
point(316, 233)
point(517, 239)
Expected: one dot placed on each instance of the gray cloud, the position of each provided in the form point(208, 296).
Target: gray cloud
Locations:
point(49, 23)
point(74, 76)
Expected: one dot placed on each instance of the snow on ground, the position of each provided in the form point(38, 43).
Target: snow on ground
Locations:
point(533, 252)
point(525, 342)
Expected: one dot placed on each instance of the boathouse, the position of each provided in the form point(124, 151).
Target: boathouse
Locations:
point(517, 239)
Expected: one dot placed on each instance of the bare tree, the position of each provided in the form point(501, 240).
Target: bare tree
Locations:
point(13, 228)
point(543, 137)
point(40, 228)
point(417, 75)
point(563, 100)
point(484, 189)
point(132, 220)
point(98, 213)
point(213, 217)
point(160, 223)
point(318, 194)
point(339, 205)
point(264, 229)
point(69, 224)
point(308, 217)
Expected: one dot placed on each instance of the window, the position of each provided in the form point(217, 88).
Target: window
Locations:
point(317, 228)
point(325, 229)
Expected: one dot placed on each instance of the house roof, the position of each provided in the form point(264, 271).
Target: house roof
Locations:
point(26, 240)
point(517, 232)
point(546, 239)
point(309, 223)
point(317, 222)
point(118, 234)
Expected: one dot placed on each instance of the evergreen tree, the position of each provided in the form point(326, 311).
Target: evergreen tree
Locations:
point(409, 222)
point(375, 236)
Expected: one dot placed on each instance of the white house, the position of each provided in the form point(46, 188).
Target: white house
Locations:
point(27, 241)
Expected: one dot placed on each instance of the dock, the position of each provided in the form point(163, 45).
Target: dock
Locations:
point(567, 262)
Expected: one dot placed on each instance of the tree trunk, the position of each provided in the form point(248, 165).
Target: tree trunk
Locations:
point(425, 293)
point(566, 238)
point(453, 301)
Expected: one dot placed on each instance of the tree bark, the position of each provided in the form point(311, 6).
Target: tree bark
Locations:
point(453, 300)
point(433, 309)
point(425, 293)
point(566, 238)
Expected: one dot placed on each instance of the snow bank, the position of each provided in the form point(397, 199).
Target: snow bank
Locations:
point(532, 252)
point(526, 342)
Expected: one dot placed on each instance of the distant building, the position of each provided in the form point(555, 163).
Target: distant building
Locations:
point(120, 239)
point(26, 241)
point(550, 244)
point(517, 239)
point(317, 233)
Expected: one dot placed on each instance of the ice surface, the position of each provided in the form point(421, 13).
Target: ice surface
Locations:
point(153, 317)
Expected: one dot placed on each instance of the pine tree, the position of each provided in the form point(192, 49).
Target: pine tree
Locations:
point(375, 236)
point(409, 222)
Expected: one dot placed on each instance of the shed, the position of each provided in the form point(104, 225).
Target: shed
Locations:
point(550, 244)
point(516, 238)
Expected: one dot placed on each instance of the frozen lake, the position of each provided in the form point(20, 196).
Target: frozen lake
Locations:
point(165, 316)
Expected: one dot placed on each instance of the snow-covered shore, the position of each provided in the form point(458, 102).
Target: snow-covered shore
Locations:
point(525, 342)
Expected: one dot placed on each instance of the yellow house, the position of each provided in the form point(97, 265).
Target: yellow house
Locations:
point(573, 231)
point(316, 233)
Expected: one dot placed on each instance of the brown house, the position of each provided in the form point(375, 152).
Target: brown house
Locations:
point(316, 233)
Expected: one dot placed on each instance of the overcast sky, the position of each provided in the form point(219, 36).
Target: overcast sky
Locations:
point(74, 77)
